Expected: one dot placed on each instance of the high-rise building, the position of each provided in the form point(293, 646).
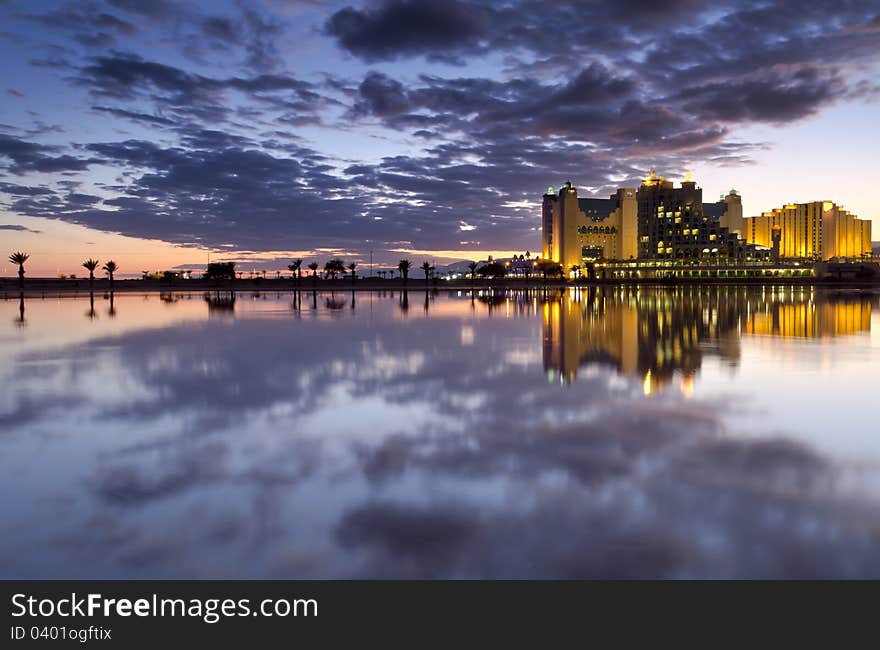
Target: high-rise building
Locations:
point(575, 230)
point(819, 230)
point(674, 224)
point(655, 221)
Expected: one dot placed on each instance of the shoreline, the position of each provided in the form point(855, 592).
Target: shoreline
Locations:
point(51, 287)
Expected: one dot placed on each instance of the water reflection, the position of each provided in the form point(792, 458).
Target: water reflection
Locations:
point(220, 302)
point(657, 334)
point(370, 441)
point(20, 321)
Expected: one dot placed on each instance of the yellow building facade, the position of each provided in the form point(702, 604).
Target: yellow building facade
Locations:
point(575, 229)
point(820, 230)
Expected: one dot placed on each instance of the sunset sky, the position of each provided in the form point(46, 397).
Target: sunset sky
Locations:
point(163, 133)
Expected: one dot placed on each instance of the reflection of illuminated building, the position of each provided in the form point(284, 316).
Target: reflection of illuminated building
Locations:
point(819, 230)
point(660, 335)
point(810, 318)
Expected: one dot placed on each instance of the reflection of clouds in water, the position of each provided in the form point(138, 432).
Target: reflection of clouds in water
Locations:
point(646, 493)
point(277, 448)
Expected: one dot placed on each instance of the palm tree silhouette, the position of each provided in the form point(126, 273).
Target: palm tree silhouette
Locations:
point(19, 258)
point(91, 265)
point(110, 268)
point(295, 269)
point(314, 267)
point(352, 267)
point(426, 267)
point(473, 267)
point(404, 266)
point(334, 267)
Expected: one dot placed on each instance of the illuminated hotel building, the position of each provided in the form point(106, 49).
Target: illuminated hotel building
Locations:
point(657, 221)
point(575, 229)
point(819, 230)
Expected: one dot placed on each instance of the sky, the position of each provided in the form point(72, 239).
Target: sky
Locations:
point(169, 134)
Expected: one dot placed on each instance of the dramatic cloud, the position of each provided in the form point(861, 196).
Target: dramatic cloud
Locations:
point(398, 28)
point(17, 228)
point(30, 157)
point(407, 149)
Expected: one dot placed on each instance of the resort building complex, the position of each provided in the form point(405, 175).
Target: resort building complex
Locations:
point(671, 225)
point(818, 231)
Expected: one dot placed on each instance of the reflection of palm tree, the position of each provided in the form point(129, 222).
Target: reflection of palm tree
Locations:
point(112, 311)
point(404, 301)
point(314, 267)
point(19, 258)
point(404, 266)
point(111, 268)
point(91, 313)
point(20, 320)
point(91, 265)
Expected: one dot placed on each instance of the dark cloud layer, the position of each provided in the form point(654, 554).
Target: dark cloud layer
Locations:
point(401, 28)
point(595, 92)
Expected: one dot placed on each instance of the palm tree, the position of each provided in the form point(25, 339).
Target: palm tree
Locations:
point(426, 267)
point(110, 268)
point(334, 267)
point(473, 268)
point(295, 269)
point(352, 267)
point(404, 266)
point(314, 267)
point(91, 265)
point(19, 258)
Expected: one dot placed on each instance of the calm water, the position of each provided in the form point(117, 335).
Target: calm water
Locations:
point(699, 432)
